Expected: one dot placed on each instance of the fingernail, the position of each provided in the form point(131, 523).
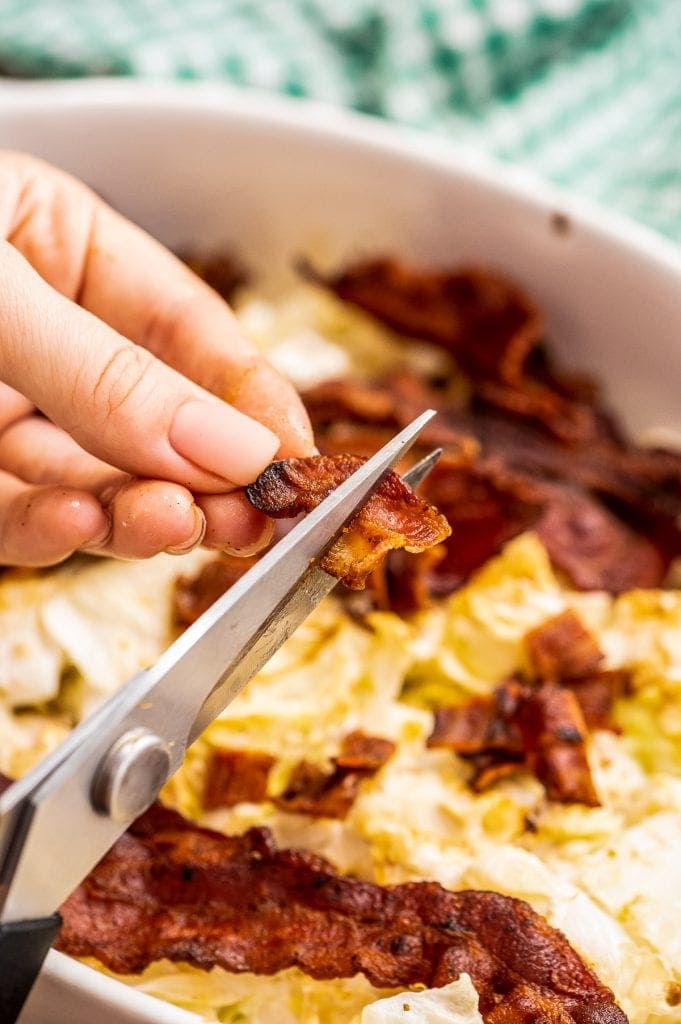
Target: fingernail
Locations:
point(196, 537)
point(222, 440)
point(257, 545)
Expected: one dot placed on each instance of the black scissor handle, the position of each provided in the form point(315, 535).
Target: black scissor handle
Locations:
point(23, 948)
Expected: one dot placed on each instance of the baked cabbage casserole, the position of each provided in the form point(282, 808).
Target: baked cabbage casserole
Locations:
point(502, 715)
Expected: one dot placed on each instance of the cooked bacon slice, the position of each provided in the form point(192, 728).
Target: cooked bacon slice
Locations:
point(236, 776)
point(489, 326)
point(313, 790)
point(594, 548)
point(562, 648)
point(169, 889)
point(393, 517)
point(193, 595)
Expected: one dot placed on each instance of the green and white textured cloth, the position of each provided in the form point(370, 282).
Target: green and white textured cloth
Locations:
point(587, 92)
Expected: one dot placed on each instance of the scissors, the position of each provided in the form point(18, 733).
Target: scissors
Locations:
point(62, 817)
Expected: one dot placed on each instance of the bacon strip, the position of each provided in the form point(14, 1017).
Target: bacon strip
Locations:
point(169, 889)
point(393, 517)
point(314, 791)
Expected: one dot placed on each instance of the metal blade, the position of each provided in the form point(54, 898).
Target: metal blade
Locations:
point(204, 669)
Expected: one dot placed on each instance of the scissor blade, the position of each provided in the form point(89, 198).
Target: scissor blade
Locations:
point(198, 675)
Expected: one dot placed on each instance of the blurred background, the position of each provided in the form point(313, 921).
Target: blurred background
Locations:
point(586, 92)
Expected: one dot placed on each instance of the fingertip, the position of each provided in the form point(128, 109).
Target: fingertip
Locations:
point(152, 516)
point(45, 525)
point(233, 525)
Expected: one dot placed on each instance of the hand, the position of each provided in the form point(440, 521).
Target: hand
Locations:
point(123, 351)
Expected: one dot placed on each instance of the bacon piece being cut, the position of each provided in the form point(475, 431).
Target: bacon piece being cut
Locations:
point(169, 889)
point(393, 517)
point(314, 791)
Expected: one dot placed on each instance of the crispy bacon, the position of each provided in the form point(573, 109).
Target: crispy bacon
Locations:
point(394, 517)
point(236, 776)
point(489, 326)
point(169, 889)
point(608, 515)
point(313, 790)
point(597, 693)
point(484, 725)
point(554, 732)
point(542, 731)
point(562, 648)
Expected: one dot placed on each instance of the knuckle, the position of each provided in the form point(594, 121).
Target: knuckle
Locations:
point(121, 380)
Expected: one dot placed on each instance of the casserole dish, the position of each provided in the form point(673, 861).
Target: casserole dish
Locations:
point(209, 167)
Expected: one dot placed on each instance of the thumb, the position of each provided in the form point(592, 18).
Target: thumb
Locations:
point(116, 399)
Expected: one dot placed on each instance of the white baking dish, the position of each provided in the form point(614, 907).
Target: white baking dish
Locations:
point(208, 166)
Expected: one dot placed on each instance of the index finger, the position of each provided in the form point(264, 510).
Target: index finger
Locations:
point(117, 271)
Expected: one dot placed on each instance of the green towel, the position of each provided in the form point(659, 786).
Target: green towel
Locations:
point(587, 92)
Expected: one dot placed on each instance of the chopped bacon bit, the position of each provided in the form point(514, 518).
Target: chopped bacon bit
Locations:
point(236, 776)
point(561, 648)
point(404, 583)
point(533, 401)
point(193, 595)
point(485, 725)
point(596, 695)
point(488, 769)
point(554, 734)
point(393, 517)
point(169, 889)
point(488, 325)
point(360, 752)
point(520, 727)
point(320, 793)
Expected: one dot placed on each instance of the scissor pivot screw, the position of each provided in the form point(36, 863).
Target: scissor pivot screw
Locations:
point(130, 775)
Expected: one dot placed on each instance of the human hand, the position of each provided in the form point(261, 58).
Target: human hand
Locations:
point(123, 350)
